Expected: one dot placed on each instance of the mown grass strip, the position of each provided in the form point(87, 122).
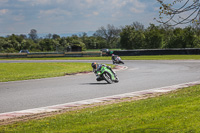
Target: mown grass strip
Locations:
point(24, 71)
point(175, 112)
point(151, 57)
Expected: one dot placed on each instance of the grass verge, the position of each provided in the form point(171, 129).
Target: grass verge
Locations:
point(174, 112)
point(24, 71)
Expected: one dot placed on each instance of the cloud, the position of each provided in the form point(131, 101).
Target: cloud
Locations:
point(119, 3)
point(39, 2)
point(95, 13)
point(137, 7)
point(156, 8)
point(18, 18)
point(134, 10)
point(3, 1)
point(89, 1)
point(138, 4)
point(3, 11)
point(60, 1)
point(92, 14)
point(71, 15)
point(23, 0)
point(53, 12)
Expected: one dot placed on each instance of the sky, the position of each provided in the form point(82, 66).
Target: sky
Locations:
point(73, 16)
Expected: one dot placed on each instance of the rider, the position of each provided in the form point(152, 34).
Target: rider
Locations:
point(97, 68)
point(113, 57)
point(116, 59)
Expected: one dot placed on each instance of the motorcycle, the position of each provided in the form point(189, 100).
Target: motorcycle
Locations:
point(108, 75)
point(117, 60)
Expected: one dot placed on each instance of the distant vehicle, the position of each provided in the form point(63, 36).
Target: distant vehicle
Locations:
point(23, 51)
point(105, 50)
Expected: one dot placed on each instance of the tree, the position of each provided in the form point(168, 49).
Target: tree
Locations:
point(189, 37)
point(3, 42)
point(188, 12)
point(110, 34)
point(131, 39)
point(125, 35)
point(33, 35)
point(55, 36)
point(47, 44)
point(138, 26)
point(83, 37)
point(48, 36)
point(153, 37)
point(23, 36)
point(177, 39)
point(63, 44)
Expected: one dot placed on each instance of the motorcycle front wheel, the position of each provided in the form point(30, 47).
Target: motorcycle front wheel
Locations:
point(121, 62)
point(107, 77)
point(116, 80)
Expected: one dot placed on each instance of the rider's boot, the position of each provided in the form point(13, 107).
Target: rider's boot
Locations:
point(99, 78)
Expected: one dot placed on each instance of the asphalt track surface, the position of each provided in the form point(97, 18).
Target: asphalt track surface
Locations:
point(140, 75)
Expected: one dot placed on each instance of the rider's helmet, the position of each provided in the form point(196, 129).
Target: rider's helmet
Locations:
point(94, 65)
point(112, 54)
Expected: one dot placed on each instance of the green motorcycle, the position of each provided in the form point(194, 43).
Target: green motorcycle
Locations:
point(108, 75)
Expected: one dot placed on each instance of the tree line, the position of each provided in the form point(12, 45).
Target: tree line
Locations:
point(133, 36)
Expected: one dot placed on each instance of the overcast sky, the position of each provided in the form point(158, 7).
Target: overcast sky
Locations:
point(72, 16)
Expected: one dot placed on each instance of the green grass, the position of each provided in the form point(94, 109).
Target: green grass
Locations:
point(151, 57)
point(177, 112)
point(62, 58)
point(24, 71)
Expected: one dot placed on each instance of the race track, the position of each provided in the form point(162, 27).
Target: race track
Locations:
point(140, 75)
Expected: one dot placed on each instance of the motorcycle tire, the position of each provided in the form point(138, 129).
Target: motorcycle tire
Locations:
point(121, 62)
point(116, 80)
point(107, 77)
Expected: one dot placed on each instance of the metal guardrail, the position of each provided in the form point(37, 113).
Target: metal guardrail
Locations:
point(177, 51)
point(43, 55)
point(187, 51)
point(13, 55)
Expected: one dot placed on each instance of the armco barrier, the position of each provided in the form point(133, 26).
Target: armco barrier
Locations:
point(83, 54)
point(73, 54)
point(13, 55)
point(188, 51)
point(158, 52)
point(92, 54)
point(45, 55)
